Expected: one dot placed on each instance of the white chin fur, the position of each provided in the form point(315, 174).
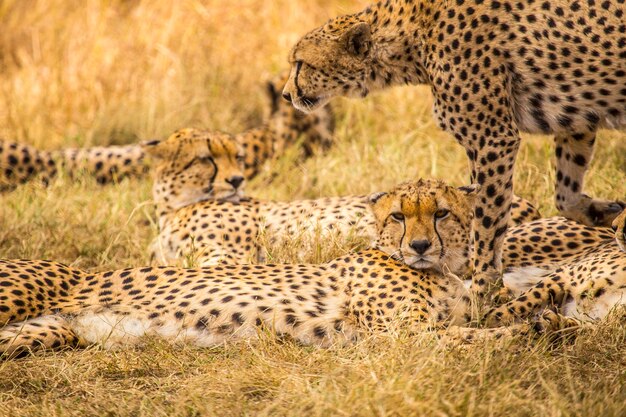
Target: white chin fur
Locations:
point(299, 105)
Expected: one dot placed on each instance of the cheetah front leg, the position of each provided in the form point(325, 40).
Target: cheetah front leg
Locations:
point(492, 168)
point(549, 292)
point(479, 115)
point(44, 332)
point(573, 154)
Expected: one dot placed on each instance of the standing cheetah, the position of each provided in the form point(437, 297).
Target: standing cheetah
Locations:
point(495, 67)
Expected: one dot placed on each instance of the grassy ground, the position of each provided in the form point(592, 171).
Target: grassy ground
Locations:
point(98, 72)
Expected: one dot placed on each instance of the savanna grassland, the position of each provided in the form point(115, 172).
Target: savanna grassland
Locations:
point(88, 72)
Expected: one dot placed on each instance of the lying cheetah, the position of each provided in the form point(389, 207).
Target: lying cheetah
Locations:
point(47, 304)
point(586, 288)
point(283, 127)
point(495, 67)
point(21, 163)
point(223, 227)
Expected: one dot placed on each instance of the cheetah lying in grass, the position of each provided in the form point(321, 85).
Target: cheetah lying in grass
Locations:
point(21, 163)
point(202, 215)
point(49, 305)
point(283, 128)
point(584, 289)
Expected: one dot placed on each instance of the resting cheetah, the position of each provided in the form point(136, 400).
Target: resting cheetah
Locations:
point(584, 289)
point(208, 215)
point(495, 67)
point(283, 127)
point(583, 267)
point(47, 304)
point(227, 230)
point(21, 163)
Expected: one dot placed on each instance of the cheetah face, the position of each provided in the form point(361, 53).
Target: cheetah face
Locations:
point(334, 60)
point(426, 224)
point(194, 165)
point(619, 225)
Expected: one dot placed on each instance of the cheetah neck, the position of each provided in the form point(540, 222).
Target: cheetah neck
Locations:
point(398, 29)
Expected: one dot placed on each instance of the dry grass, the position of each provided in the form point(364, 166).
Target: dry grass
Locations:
point(98, 72)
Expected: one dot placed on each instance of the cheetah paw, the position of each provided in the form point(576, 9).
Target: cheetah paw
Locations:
point(593, 212)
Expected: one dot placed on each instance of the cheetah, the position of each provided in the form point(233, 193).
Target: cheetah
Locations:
point(283, 127)
point(495, 68)
point(201, 207)
point(210, 229)
point(585, 289)
point(44, 304)
point(20, 163)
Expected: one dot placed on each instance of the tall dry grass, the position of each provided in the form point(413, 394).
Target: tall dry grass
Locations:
point(100, 72)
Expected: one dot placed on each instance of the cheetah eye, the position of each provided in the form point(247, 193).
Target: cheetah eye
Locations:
point(442, 213)
point(241, 158)
point(398, 217)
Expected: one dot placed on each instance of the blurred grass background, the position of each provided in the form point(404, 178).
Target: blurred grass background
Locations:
point(95, 72)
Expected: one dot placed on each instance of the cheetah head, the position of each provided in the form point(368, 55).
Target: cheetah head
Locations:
point(195, 165)
point(619, 225)
point(333, 60)
point(426, 224)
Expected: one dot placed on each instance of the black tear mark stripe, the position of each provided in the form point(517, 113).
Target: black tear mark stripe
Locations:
point(212, 161)
point(295, 80)
point(438, 237)
point(189, 164)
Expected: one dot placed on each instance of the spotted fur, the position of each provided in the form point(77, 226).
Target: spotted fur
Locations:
point(286, 127)
point(44, 304)
point(495, 67)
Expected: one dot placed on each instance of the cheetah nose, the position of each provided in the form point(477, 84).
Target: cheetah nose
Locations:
point(235, 181)
point(420, 246)
point(287, 96)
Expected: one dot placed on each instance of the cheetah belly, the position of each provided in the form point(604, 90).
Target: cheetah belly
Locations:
point(113, 330)
point(538, 112)
point(595, 307)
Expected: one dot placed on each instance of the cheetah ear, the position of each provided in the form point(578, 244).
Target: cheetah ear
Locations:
point(358, 39)
point(153, 147)
point(373, 198)
point(273, 95)
point(470, 190)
